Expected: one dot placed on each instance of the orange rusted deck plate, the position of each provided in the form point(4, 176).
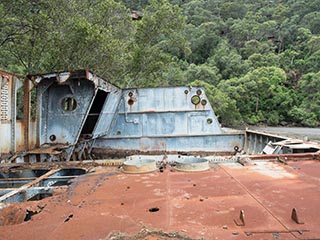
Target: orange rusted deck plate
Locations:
point(201, 205)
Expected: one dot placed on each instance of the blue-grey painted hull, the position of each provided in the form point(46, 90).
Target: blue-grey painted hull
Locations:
point(210, 143)
point(139, 119)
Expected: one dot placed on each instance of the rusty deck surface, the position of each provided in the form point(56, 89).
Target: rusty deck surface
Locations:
point(109, 204)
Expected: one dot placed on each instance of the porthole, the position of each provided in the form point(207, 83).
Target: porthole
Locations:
point(130, 94)
point(199, 92)
point(186, 91)
point(52, 138)
point(209, 120)
point(195, 99)
point(69, 104)
point(130, 102)
point(203, 102)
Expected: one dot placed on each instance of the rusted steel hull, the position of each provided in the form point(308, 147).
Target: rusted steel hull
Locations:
point(285, 157)
point(199, 205)
point(101, 153)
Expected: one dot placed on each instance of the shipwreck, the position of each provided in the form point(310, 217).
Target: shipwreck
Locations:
point(89, 160)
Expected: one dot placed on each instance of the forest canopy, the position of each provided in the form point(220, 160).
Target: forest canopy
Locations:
point(258, 60)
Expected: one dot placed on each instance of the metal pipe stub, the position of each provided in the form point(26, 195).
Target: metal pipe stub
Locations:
point(139, 166)
point(192, 164)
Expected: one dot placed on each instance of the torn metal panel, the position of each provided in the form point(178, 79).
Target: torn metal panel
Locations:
point(297, 146)
point(107, 115)
point(271, 149)
point(291, 146)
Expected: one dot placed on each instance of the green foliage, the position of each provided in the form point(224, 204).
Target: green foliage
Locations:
point(259, 59)
point(273, 118)
point(261, 95)
point(157, 34)
point(303, 116)
point(203, 73)
point(228, 61)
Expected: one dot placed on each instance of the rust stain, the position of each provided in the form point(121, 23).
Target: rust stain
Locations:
point(101, 153)
point(52, 149)
point(169, 204)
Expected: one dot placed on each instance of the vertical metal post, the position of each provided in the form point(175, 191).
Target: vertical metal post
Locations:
point(246, 146)
point(38, 116)
point(26, 112)
point(0, 119)
point(12, 80)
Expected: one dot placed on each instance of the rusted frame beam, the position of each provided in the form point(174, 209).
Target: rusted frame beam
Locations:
point(0, 120)
point(26, 112)
point(287, 157)
point(13, 107)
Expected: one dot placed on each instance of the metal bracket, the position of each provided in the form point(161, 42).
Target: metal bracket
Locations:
point(294, 216)
point(241, 217)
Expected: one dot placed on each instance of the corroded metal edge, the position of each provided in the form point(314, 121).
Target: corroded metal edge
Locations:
point(192, 165)
point(139, 166)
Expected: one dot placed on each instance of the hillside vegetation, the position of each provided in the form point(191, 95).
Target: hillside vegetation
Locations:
point(258, 60)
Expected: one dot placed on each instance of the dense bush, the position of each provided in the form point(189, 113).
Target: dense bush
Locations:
point(259, 60)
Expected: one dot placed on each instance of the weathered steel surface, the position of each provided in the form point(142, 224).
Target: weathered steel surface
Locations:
point(107, 114)
point(28, 181)
point(86, 112)
point(27, 113)
point(30, 192)
point(139, 166)
point(199, 205)
point(19, 194)
point(192, 164)
point(60, 125)
point(164, 111)
point(256, 141)
point(205, 143)
point(77, 107)
point(64, 101)
point(286, 157)
point(9, 85)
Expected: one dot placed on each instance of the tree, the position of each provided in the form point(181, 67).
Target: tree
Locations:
point(202, 73)
point(309, 86)
point(312, 22)
point(156, 35)
point(25, 34)
point(228, 61)
point(204, 39)
point(53, 36)
point(261, 95)
point(264, 60)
